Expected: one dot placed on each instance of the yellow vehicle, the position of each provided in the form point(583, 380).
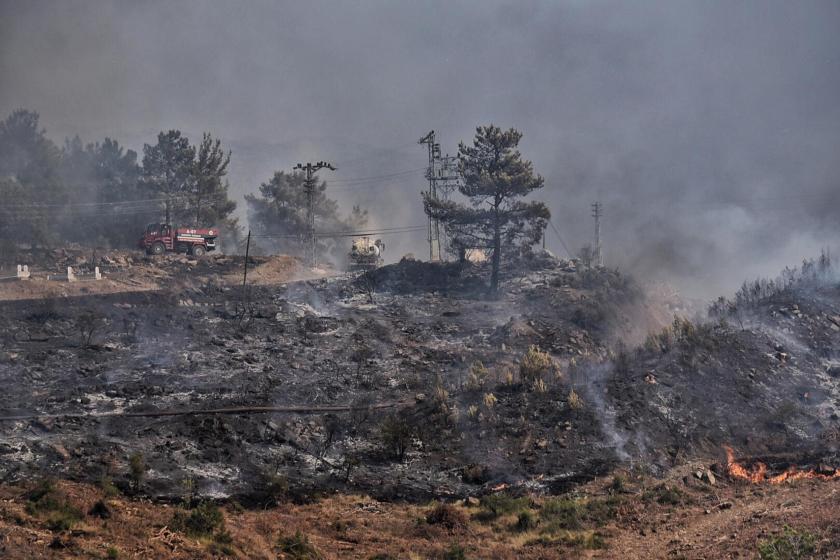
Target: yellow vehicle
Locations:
point(365, 255)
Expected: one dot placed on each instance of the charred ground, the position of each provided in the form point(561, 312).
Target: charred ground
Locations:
point(415, 385)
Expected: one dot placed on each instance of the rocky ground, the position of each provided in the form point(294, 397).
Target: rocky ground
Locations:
point(406, 384)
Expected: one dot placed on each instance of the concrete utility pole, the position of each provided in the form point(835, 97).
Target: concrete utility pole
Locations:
point(597, 213)
point(434, 225)
point(309, 185)
point(444, 178)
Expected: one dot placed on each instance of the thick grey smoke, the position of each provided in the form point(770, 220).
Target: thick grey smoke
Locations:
point(709, 130)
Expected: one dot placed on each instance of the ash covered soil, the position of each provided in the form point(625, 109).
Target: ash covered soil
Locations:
point(414, 384)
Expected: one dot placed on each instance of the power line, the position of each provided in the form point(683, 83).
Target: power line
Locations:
point(378, 153)
point(560, 238)
point(375, 178)
point(64, 205)
point(347, 233)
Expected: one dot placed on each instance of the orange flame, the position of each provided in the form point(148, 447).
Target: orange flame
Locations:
point(758, 473)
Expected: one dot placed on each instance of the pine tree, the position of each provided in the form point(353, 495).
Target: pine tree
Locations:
point(495, 178)
point(209, 196)
point(168, 172)
point(280, 212)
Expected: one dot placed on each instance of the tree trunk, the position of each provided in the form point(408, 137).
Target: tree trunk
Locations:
point(497, 250)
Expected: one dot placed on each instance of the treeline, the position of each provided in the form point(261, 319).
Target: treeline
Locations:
point(102, 194)
point(812, 273)
point(99, 193)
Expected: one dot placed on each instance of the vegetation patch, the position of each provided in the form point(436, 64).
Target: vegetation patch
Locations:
point(591, 540)
point(298, 547)
point(202, 522)
point(447, 516)
point(560, 514)
point(666, 495)
point(790, 544)
point(496, 505)
point(396, 434)
point(534, 365)
point(48, 502)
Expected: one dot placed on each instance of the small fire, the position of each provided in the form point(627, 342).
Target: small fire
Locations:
point(758, 472)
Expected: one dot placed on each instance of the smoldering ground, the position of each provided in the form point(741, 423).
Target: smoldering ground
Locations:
point(708, 130)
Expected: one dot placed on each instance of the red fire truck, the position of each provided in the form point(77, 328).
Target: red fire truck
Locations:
point(160, 238)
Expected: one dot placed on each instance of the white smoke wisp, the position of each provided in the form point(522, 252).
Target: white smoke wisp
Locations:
point(593, 384)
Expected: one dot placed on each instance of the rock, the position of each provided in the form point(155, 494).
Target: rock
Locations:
point(472, 501)
point(62, 452)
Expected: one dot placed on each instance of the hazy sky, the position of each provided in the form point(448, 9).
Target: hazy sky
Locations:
point(709, 130)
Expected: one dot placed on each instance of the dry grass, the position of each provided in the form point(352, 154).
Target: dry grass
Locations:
point(591, 525)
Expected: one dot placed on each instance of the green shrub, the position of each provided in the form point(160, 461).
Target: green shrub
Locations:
point(136, 470)
point(298, 547)
point(618, 484)
point(396, 435)
point(526, 521)
point(108, 487)
point(221, 544)
point(454, 552)
point(46, 500)
point(571, 514)
point(203, 521)
point(561, 513)
point(495, 505)
point(790, 544)
point(666, 495)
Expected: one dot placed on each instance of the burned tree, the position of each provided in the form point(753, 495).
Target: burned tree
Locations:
point(495, 179)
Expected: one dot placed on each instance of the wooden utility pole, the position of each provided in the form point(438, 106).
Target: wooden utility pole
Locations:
point(309, 185)
point(247, 249)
